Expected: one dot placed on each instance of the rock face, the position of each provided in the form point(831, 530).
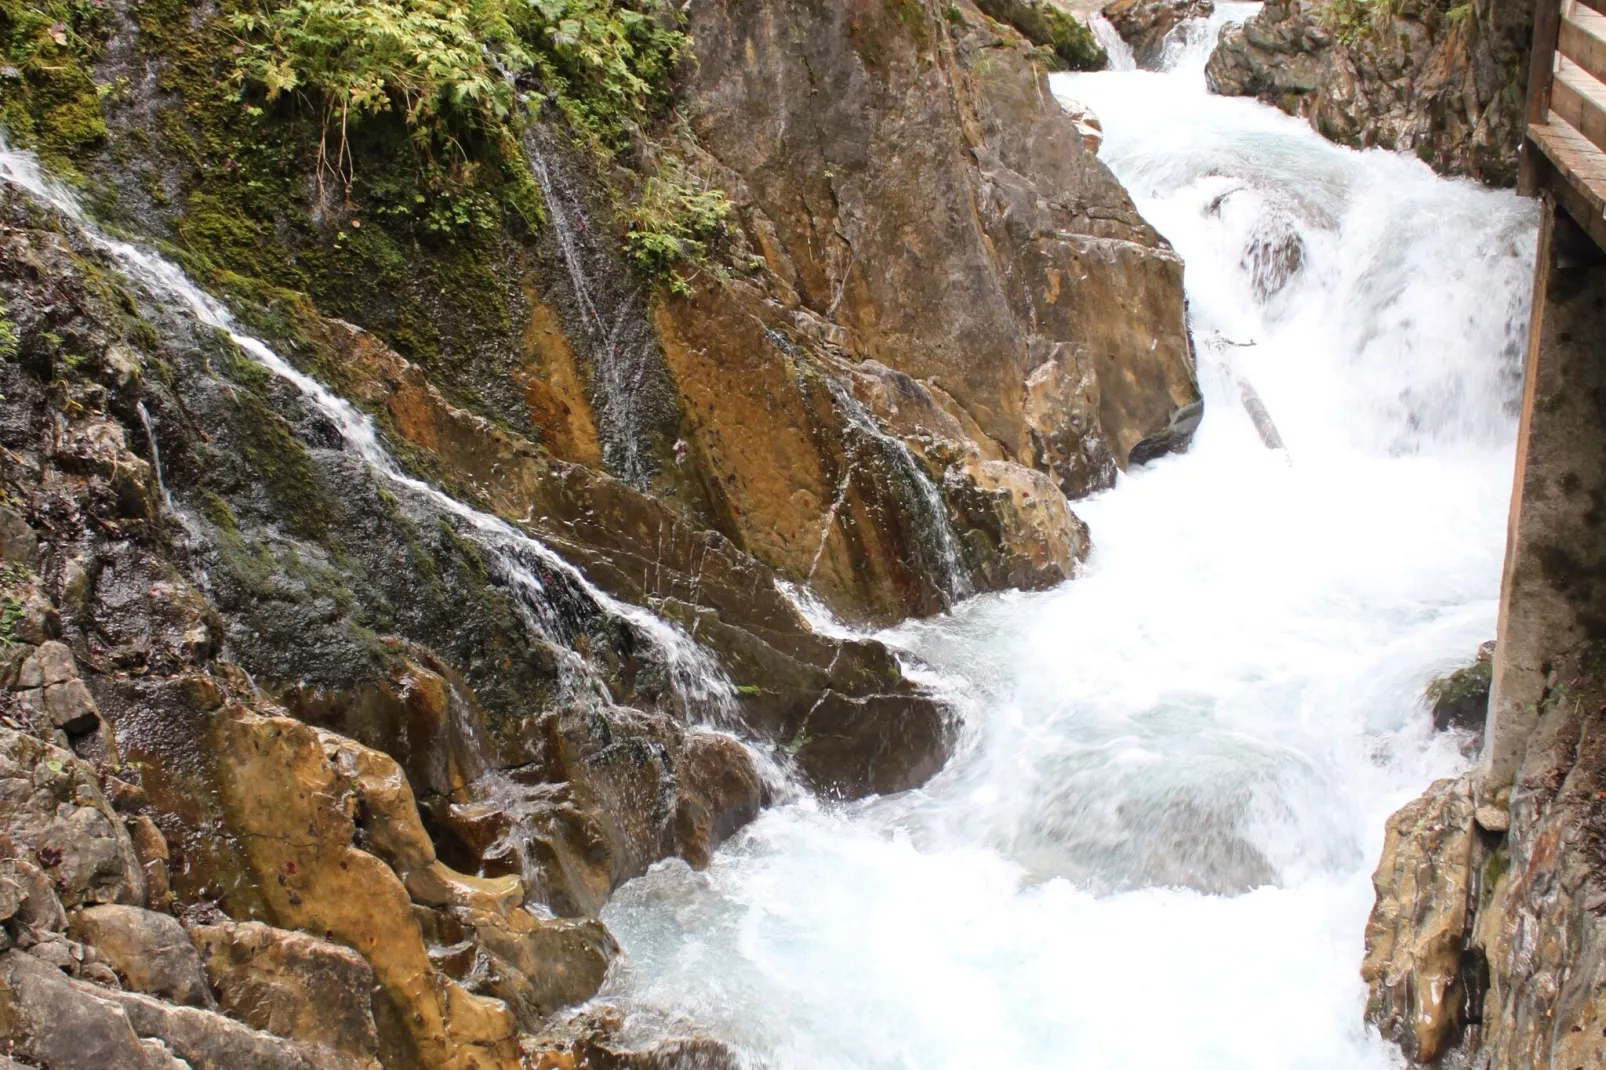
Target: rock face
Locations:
point(870, 203)
point(329, 721)
point(1145, 24)
point(1446, 82)
point(1484, 943)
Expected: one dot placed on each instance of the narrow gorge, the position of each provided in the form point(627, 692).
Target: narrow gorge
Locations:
point(563, 534)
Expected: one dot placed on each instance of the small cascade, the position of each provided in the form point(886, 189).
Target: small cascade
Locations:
point(626, 369)
point(922, 504)
point(1114, 45)
point(156, 454)
point(556, 601)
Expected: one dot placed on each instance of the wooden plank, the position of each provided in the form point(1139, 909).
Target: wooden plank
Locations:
point(1547, 27)
point(1583, 39)
point(1580, 99)
point(1593, 5)
point(1574, 156)
point(1575, 172)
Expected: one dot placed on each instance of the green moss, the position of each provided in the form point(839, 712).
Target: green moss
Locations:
point(216, 510)
point(1462, 684)
point(294, 485)
point(1495, 867)
point(1073, 42)
point(48, 101)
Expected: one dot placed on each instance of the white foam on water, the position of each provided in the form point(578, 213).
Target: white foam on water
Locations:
point(1154, 846)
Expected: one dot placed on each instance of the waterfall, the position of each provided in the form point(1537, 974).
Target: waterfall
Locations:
point(627, 376)
point(553, 597)
point(923, 507)
point(156, 454)
point(1153, 847)
point(1114, 45)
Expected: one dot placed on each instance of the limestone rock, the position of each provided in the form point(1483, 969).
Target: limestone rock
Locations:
point(1460, 699)
point(1420, 924)
point(291, 984)
point(150, 951)
point(539, 966)
point(847, 747)
point(150, 848)
point(720, 791)
point(438, 885)
point(208, 1041)
point(18, 543)
point(284, 796)
point(1036, 541)
point(31, 898)
point(386, 813)
point(1015, 213)
point(1145, 24)
point(1087, 124)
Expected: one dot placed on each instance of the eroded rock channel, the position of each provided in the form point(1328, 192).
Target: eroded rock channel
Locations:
point(605, 533)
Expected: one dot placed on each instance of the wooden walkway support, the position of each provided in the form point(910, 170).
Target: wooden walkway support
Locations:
point(1564, 152)
point(1553, 591)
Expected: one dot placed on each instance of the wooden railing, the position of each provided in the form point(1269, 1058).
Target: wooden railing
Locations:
point(1565, 148)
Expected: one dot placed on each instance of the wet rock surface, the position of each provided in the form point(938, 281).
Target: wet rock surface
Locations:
point(1481, 947)
point(1445, 82)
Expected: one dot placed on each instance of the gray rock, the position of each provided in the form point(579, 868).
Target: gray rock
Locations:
point(291, 984)
point(56, 1022)
point(71, 707)
point(151, 951)
point(52, 808)
point(18, 544)
point(208, 1041)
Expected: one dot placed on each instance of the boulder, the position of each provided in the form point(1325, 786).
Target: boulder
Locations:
point(849, 747)
point(1052, 25)
point(151, 952)
point(1460, 699)
point(1419, 927)
point(1023, 533)
point(291, 984)
point(719, 792)
point(54, 1021)
point(540, 965)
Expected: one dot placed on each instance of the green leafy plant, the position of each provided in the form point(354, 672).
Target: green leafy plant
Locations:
point(434, 62)
point(1351, 21)
point(673, 224)
point(9, 339)
point(604, 63)
point(1458, 14)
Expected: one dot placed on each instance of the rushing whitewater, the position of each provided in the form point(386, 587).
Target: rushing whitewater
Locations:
point(1154, 848)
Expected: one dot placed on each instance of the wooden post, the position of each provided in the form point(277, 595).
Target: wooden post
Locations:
point(1541, 69)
